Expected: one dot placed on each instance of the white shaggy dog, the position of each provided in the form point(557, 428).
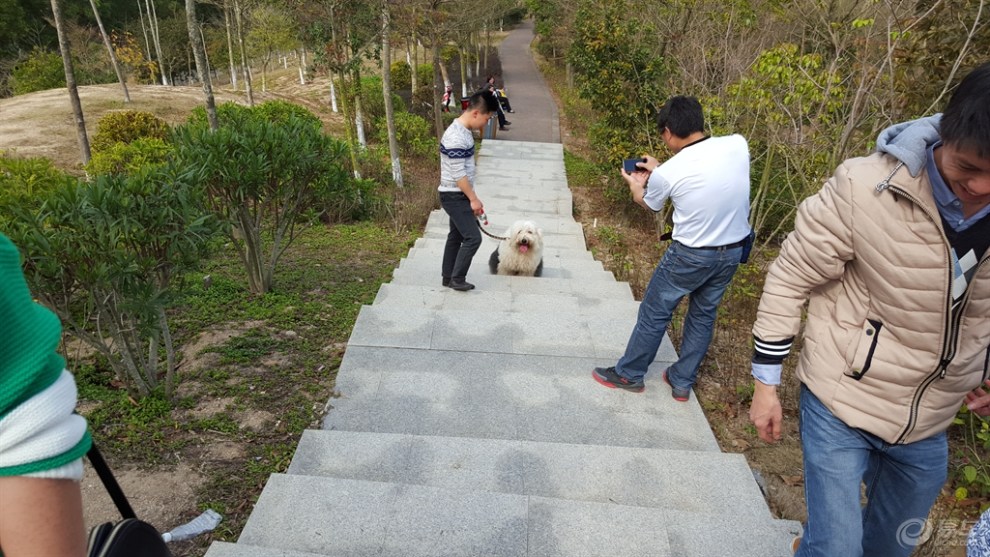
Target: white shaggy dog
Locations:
point(521, 253)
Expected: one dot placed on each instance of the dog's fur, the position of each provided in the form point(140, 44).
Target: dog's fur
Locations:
point(521, 254)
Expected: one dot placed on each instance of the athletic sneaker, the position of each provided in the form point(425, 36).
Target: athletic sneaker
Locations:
point(680, 395)
point(608, 377)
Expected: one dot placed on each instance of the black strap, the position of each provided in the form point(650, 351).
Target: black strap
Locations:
point(109, 482)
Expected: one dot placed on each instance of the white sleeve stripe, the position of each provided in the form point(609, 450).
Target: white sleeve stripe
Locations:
point(43, 426)
point(784, 344)
point(783, 352)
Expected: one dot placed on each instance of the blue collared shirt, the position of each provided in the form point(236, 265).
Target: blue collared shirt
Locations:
point(949, 205)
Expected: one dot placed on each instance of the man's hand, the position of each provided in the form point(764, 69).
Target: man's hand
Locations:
point(765, 412)
point(978, 400)
point(636, 180)
point(477, 206)
point(649, 163)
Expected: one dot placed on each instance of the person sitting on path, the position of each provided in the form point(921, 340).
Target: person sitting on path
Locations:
point(457, 195)
point(503, 99)
point(890, 262)
point(707, 180)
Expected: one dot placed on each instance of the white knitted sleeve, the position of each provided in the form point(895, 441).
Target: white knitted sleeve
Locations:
point(42, 427)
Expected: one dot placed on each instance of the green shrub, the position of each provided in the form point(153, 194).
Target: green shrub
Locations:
point(414, 134)
point(424, 76)
point(373, 103)
point(26, 183)
point(129, 158)
point(236, 115)
point(105, 255)
point(401, 75)
point(126, 126)
point(41, 70)
point(265, 178)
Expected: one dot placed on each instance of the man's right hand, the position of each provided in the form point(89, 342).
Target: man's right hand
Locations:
point(477, 206)
point(765, 412)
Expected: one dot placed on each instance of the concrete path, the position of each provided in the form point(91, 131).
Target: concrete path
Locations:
point(468, 424)
point(535, 117)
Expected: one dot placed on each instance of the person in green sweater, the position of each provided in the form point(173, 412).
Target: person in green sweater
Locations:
point(41, 440)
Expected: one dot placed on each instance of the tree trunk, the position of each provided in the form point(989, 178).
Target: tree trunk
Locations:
point(113, 57)
point(153, 24)
point(202, 68)
point(302, 66)
point(463, 64)
point(244, 59)
point(144, 29)
point(358, 113)
point(412, 67)
point(393, 143)
point(349, 131)
point(438, 83)
point(333, 96)
point(70, 81)
point(230, 46)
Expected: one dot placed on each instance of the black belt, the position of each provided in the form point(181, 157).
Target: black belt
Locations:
point(738, 244)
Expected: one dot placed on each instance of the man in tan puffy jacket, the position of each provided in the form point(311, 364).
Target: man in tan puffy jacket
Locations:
point(893, 258)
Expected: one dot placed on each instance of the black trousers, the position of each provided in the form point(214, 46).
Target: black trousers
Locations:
point(464, 237)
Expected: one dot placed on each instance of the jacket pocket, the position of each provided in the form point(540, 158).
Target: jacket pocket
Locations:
point(865, 350)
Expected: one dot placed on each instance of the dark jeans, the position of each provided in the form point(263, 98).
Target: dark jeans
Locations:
point(464, 237)
point(701, 275)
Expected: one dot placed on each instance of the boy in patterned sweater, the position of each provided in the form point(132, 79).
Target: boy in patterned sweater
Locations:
point(457, 196)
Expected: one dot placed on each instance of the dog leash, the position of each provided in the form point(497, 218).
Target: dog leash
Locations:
point(484, 217)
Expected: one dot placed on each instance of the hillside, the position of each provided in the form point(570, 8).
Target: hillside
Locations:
point(41, 124)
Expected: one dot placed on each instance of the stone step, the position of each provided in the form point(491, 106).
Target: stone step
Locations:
point(700, 482)
point(227, 549)
point(566, 226)
point(489, 330)
point(585, 270)
point(359, 518)
point(552, 257)
point(481, 301)
point(511, 397)
point(480, 276)
point(436, 245)
point(332, 516)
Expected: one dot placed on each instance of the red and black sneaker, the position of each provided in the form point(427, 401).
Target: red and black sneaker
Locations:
point(608, 377)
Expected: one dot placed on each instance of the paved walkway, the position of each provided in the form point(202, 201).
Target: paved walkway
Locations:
point(535, 117)
point(468, 423)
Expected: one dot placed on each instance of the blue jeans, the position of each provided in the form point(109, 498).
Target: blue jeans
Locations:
point(702, 275)
point(464, 237)
point(901, 481)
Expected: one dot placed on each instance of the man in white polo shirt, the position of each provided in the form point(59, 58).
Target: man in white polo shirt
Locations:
point(707, 180)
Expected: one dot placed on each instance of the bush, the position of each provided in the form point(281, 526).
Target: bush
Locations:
point(264, 178)
point(236, 115)
point(41, 70)
point(373, 103)
point(126, 126)
point(26, 184)
point(129, 158)
point(401, 75)
point(104, 256)
point(414, 134)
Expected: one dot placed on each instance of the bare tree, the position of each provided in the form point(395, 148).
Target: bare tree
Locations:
point(113, 56)
point(70, 80)
point(245, 63)
point(230, 45)
point(393, 144)
point(202, 68)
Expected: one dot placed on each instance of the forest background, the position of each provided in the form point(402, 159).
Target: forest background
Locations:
point(808, 82)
